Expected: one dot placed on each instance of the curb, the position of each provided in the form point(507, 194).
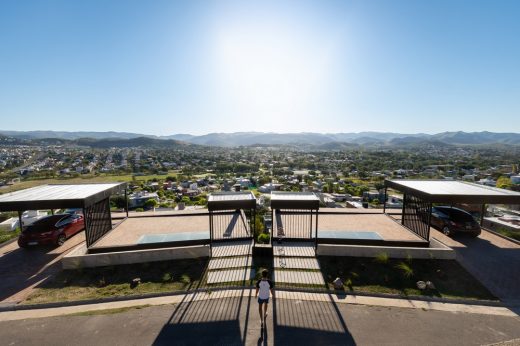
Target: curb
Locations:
point(16, 307)
point(392, 296)
point(8, 242)
point(201, 290)
point(517, 242)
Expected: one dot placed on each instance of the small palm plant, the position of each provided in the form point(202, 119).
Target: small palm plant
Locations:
point(381, 257)
point(405, 269)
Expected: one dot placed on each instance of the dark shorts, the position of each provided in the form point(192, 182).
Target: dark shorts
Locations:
point(262, 301)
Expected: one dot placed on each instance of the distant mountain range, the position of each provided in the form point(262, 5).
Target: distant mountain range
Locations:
point(318, 140)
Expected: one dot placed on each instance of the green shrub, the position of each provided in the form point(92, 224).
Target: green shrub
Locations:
point(185, 278)
point(139, 210)
point(264, 238)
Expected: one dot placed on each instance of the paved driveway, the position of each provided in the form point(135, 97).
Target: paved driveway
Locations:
point(491, 259)
point(22, 269)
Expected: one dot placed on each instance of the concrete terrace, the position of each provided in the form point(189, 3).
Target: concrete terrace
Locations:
point(385, 226)
point(169, 222)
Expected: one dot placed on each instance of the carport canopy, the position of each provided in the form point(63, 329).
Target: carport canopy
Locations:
point(451, 192)
point(294, 200)
point(58, 196)
point(231, 200)
point(419, 196)
point(92, 198)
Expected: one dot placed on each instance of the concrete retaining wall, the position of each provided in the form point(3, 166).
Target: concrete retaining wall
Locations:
point(436, 250)
point(79, 258)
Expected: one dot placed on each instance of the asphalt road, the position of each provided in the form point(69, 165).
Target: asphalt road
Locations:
point(235, 321)
point(21, 269)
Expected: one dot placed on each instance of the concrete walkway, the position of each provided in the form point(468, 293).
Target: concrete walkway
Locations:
point(286, 295)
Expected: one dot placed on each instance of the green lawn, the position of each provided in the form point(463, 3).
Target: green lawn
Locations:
point(8, 235)
point(102, 178)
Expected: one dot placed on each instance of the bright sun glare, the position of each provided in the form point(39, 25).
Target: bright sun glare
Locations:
point(273, 72)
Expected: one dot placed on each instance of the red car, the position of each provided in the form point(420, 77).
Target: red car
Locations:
point(52, 229)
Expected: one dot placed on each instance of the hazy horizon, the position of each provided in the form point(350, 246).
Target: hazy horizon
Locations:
point(199, 67)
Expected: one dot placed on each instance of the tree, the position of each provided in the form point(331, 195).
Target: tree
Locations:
point(379, 186)
point(504, 183)
point(151, 203)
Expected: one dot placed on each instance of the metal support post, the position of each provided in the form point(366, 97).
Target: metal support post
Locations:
point(402, 212)
point(316, 239)
point(126, 202)
point(20, 220)
point(210, 233)
point(384, 204)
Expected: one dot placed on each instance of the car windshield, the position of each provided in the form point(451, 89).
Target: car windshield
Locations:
point(48, 221)
point(44, 225)
point(457, 215)
point(460, 215)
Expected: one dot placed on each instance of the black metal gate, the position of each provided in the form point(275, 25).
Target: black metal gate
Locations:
point(295, 223)
point(232, 224)
point(98, 221)
point(416, 215)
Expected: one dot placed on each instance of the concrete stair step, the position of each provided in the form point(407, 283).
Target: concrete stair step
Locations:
point(298, 277)
point(296, 263)
point(230, 262)
point(294, 249)
point(230, 275)
point(232, 248)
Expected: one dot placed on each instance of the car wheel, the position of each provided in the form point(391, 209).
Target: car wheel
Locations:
point(61, 240)
point(446, 231)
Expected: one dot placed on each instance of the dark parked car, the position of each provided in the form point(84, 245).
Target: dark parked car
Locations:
point(52, 229)
point(450, 220)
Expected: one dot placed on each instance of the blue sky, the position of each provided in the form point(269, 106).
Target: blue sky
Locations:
point(165, 67)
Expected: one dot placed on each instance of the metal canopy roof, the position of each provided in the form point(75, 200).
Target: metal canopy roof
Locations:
point(449, 191)
point(294, 200)
point(231, 200)
point(57, 196)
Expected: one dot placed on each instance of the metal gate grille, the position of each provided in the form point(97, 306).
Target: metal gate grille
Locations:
point(98, 221)
point(231, 224)
point(416, 216)
point(294, 223)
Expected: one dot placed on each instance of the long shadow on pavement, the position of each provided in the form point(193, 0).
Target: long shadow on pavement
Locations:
point(299, 322)
point(22, 268)
point(219, 320)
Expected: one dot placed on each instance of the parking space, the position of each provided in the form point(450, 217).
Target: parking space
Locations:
point(494, 261)
point(22, 269)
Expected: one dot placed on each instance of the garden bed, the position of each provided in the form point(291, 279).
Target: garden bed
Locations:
point(379, 275)
point(116, 281)
point(382, 275)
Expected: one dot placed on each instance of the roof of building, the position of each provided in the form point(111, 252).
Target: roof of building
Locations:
point(294, 200)
point(450, 191)
point(58, 196)
point(231, 200)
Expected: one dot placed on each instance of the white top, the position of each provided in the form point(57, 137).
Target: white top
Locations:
point(263, 288)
